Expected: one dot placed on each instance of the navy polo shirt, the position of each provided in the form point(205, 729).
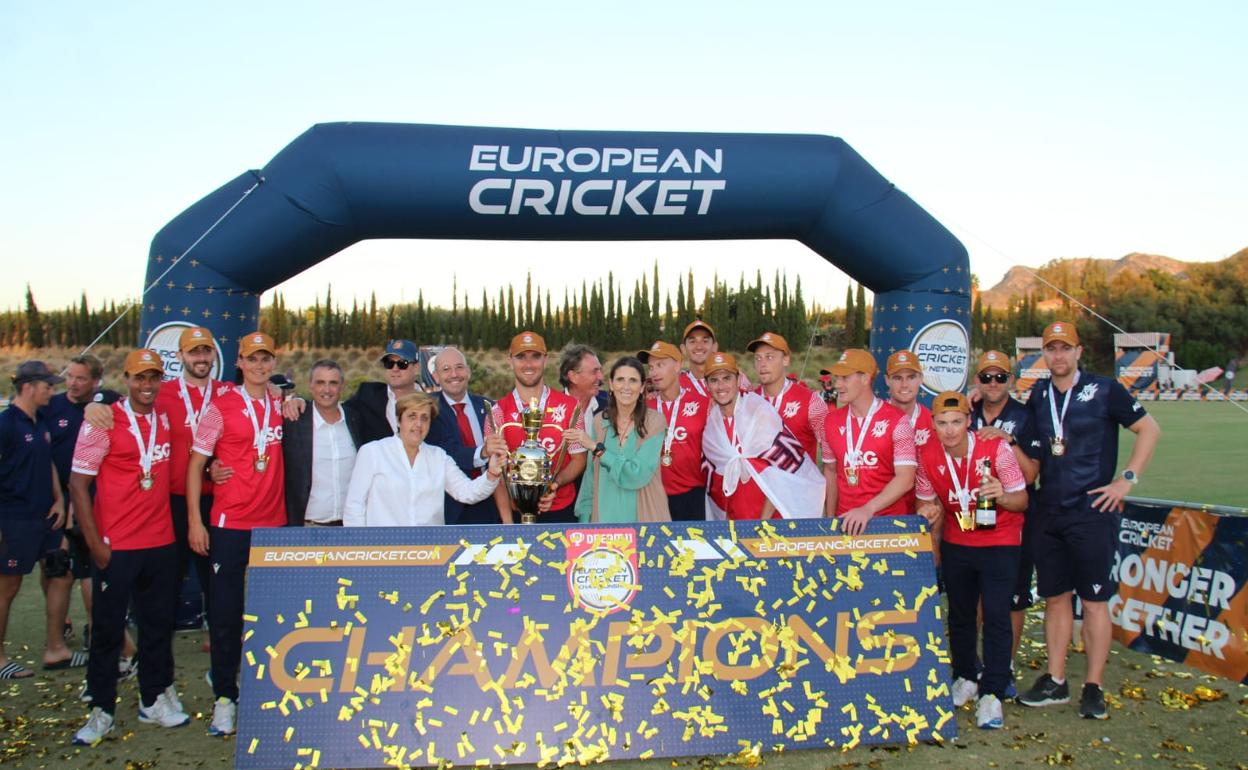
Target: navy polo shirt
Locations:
point(1101, 405)
point(1015, 419)
point(63, 418)
point(25, 466)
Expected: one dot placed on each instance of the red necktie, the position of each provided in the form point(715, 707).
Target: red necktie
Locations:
point(465, 433)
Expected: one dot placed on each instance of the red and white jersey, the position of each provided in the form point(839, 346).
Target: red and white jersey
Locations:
point(924, 429)
point(698, 384)
point(683, 439)
point(803, 412)
point(251, 498)
point(557, 417)
point(933, 483)
point(127, 516)
point(169, 400)
point(887, 445)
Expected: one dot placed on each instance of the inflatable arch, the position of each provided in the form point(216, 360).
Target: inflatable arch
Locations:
point(340, 183)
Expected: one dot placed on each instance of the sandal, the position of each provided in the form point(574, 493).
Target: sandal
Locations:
point(76, 659)
point(14, 670)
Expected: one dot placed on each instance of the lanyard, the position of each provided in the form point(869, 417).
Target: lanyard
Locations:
point(192, 416)
point(914, 416)
point(148, 453)
point(520, 405)
point(962, 491)
point(671, 421)
point(775, 402)
point(855, 448)
point(261, 436)
point(1058, 429)
point(697, 385)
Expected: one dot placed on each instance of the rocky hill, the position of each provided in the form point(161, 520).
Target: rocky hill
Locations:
point(1019, 280)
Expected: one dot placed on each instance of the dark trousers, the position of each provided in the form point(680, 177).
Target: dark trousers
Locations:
point(146, 576)
point(187, 557)
point(228, 550)
point(972, 574)
point(688, 506)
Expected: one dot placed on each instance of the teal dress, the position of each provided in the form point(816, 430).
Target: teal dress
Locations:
point(613, 481)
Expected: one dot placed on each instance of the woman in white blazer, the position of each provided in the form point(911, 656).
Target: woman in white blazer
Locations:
point(400, 481)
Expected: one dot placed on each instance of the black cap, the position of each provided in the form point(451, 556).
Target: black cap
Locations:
point(30, 371)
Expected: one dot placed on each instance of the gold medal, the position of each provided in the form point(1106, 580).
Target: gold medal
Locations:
point(262, 463)
point(1057, 446)
point(146, 482)
point(851, 475)
point(666, 459)
point(966, 520)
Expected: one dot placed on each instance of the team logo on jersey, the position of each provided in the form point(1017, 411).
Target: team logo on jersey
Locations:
point(62, 423)
point(30, 438)
point(921, 436)
point(879, 429)
point(1135, 406)
point(164, 421)
point(1088, 392)
point(1007, 426)
point(557, 413)
point(790, 410)
point(689, 409)
point(941, 469)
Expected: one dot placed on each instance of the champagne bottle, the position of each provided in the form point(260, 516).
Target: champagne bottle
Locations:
point(985, 508)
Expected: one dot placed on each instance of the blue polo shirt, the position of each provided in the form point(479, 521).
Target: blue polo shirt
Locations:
point(1015, 419)
point(63, 418)
point(25, 466)
point(1100, 407)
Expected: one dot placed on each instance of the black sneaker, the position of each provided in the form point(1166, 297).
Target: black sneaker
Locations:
point(1092, 702)
point(1046, 692)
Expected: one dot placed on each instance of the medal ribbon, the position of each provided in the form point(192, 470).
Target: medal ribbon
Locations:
point(148, 453)
point(963, 492)
point(855, 448)
point(1058, 429)
point(261, 439)
point(697, 385)
point(521, 405)
point(775, 402)
point(671, 421)
point(193, 416)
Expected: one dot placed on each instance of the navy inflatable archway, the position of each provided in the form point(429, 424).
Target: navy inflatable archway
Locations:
point(340, 183)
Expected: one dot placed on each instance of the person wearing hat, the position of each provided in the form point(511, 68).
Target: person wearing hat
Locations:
point(801, 409)
point(32, 512)
point(759, 469)
point(697, 344)
point(828, 392)
point(998, 415)
point(242, 428)
point(684, 414)
point(978, 564)
point(560, 415)
point(904, 375)
point(870, 465)
point(128, 529)
point(1076, 416)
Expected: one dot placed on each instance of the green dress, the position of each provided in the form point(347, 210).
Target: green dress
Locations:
point(618, 476)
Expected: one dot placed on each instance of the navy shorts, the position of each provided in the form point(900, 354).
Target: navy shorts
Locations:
point(79, 555)
point(1073, 549)
point(23, 542)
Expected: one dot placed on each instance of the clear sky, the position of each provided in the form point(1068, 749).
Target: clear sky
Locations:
point(1032, 131)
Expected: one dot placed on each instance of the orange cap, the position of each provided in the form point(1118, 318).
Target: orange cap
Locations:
point(697, 324)
point(256, 342)
point(527, 341)
point(772, 339)
point(661, 349)
point(721, 362)
point(900, 361)
point(194, 337)
point(1061, 330)
point(854, 360)
point(950, 401)
point(143, 360)
point(993, 359)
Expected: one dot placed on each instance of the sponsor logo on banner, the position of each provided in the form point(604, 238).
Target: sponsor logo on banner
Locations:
point(944, 350)
point(164, 340)
point(602, 568)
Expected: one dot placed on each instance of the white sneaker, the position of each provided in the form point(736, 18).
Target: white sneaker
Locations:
point(223, 712)
point(963, 691)
point(162, 713)
point(988, 714)
point(99, 724)
point(171, 695)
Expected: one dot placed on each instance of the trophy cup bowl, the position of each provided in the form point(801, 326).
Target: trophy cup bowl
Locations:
point(528, 471)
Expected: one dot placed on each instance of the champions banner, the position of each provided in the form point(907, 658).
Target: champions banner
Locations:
point(1181, 587)
point(369, 647)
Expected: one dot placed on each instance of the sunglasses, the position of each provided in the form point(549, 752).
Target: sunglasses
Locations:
point(1001, 378)
point(390, 363)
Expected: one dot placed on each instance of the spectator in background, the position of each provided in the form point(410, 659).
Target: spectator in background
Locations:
point(319, 450)
point(829, 389)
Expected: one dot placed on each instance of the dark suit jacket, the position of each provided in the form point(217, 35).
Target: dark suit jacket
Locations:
point(444, 433)
point(369, 402)
point(297, 457)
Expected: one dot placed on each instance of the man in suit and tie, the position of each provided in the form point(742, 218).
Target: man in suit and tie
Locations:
point(459, 429)
point(319, 450)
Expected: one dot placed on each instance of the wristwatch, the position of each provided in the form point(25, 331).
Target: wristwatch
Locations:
point(599, 449)
point(1131, 477)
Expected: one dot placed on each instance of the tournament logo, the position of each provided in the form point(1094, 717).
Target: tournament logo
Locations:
point(165, 338)
point(602, 569)
point(943, 349)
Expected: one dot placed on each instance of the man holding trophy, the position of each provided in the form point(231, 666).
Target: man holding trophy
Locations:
point(533, 416)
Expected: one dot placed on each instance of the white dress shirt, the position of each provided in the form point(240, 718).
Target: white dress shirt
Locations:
point(388, 491)
point(333, 458)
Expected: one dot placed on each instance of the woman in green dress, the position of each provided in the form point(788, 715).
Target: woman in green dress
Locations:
point(622, 482)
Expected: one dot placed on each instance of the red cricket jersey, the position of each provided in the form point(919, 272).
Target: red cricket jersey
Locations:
point(169, 400)
point(933, 483)
point(556, 419)
point(127, 516)
point(747, 501)
point(803, 412)
point(889, 443)
point(250, 498)
point(685, 472)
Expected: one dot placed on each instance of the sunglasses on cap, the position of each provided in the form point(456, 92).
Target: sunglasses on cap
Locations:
point(402, 363)
point(1000, 377)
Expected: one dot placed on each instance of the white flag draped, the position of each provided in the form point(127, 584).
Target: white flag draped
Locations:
point(790, 479)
